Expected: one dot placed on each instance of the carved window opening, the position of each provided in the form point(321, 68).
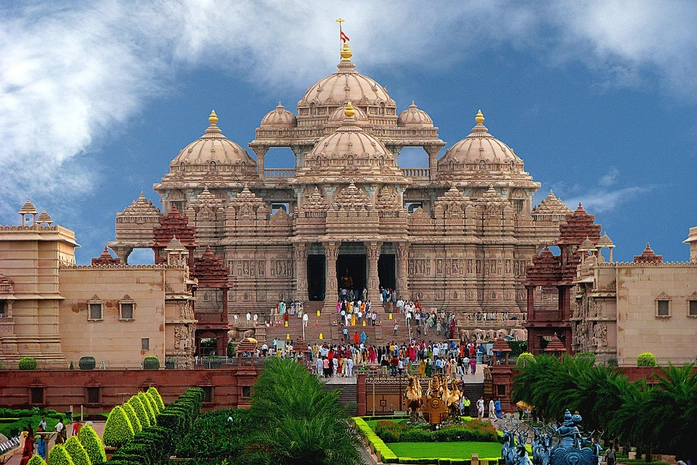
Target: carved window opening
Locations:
point(662, 306)
point(412, 206)
point(3, 308)
point(246, 391)
point(145, 343)
point(126, 308)
point(93, 394)
point(692, 308)
point(95, 309)
point(207, 394)
point(37, 396)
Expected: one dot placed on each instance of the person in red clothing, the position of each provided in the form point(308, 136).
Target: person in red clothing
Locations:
point(356, 337)
point(76, 428)
point(28, 449)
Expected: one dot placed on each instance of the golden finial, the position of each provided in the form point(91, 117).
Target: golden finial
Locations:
point(213, 118)
point(346, 53)
point(479, 118)
point(349, 111)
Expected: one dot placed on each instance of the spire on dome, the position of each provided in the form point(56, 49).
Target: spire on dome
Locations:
point(213, 128)
point(105, 259)
point(349, 111)
point(346, 52)
point(480, 128)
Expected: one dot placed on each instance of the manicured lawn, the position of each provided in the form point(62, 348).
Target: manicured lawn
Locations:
point(451, 450)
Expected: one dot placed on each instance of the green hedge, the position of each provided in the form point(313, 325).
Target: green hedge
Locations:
point(153, 403)
point(27, 363)
point(158, 398)
point(59, 456)
point(385, 452)
point(140, 411)
point(92, 444)
point(36, 460)
point(145, 400)
point(117, 430)
point(390, 431)
point(132, 417)
point(77, 451)
point(151, 363)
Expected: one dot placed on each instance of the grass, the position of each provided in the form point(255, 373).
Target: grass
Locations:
point(452, 450)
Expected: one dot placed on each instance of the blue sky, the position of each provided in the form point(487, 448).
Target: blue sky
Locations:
point(597, 97)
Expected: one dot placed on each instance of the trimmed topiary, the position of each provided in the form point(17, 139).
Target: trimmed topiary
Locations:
point(132, 417)
point(158, 398)
point(36, 460)
point(140, 411)
point(92, 444)
point(153, 403)
point(148, 407)
point(59, 456)
point(27, 363)
point(646, 359)
point(87, 363)
point(524, 359)
point(117, 430)
point(77, 451)
point(151, 363)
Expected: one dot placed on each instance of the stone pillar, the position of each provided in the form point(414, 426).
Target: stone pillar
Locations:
point(331, 252)
point(260, 152)
point(432, 152)
point(301, 251)
point(402, 270)
point(373, 278)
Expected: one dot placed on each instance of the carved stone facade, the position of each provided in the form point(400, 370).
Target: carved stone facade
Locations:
point(57, 312)
point(625, 309)
point(457, 236)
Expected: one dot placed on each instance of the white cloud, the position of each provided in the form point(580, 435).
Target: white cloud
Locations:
point(70, 73)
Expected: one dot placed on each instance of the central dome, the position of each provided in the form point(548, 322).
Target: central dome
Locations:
point(346, 85)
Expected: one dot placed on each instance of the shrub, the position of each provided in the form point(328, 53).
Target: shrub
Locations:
point(77, 451)
point(92, 444)
point(158, 398)
point(524, 359)
point(117, 430)
point(151, 363)
point(87, 363)
point(132, 417)
point(27, 363)
point(148, 407)
point(415, 435)
point(59, 456)
point(646, 359)
point(140, 411)
point(153, 403)
point(36, 460)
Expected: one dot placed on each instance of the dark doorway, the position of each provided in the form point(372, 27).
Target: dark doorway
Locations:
point(386, 273)
point(350, 271)
point(316, 284)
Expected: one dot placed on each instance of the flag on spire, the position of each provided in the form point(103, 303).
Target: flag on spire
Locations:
point(342, 37)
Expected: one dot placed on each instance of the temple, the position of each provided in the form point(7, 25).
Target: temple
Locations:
point(456, 236)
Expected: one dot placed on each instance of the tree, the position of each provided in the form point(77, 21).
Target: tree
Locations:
point(117, 430)
point(132, 417)
point(59, 456)
point(92, 444)
point(36, 460)
point(145, 400)
point(140, 411)
point(158, 398)
point(296, 422)
point(77, 451)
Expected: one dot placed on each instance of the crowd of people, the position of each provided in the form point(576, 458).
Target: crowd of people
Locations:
point(37, 443)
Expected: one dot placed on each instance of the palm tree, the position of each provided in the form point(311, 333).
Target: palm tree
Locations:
point(296, 421)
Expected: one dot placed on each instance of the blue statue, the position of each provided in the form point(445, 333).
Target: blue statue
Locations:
point(570, 447)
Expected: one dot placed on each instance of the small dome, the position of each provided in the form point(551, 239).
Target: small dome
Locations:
point(213, 149)
point(412, 117)
point(339, 115)
point(279, 118)
point(482, 151)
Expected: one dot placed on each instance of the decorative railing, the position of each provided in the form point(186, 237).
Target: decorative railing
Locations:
point(279, 173)
point(416, 172)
